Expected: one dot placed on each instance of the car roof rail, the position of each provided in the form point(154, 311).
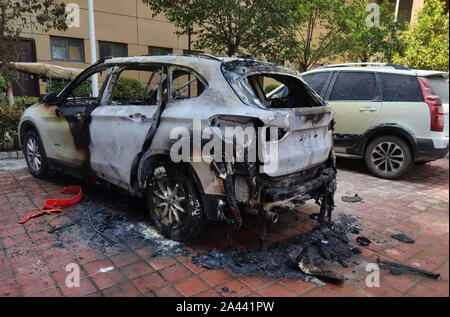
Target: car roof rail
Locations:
point(396, 66)
point(205, 55)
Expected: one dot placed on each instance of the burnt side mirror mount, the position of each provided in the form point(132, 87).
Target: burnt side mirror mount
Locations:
point(51, 98)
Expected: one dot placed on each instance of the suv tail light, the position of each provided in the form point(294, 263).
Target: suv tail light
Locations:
point(434, 103)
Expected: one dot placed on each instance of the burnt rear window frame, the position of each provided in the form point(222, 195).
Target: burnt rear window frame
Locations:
point(236, 80)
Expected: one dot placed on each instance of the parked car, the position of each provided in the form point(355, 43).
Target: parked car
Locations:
point(127, 140)
point(390, 115)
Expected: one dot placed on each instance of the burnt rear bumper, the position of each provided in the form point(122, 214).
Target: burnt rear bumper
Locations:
point(295, 185)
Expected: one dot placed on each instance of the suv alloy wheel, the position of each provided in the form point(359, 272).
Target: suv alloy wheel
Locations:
point(388, 157)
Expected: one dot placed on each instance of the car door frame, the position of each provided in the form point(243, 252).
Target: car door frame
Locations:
point(70, 139)
point(122, 176)
point(347, 141)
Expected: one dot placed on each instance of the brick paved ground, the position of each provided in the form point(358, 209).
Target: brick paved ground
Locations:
point(33, 261)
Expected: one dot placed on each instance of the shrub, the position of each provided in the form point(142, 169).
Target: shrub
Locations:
point(84, 90)
point(2, 85)
point(9, 121)
point(25, 101)
point(270, 87)
point(127, 88)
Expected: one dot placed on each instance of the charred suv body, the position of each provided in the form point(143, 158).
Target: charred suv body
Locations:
point(131, 139)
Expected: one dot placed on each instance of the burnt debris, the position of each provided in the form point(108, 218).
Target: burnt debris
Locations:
point(402, 238)
point(352, 199)
point(303, 257)
point(399, 269)
point(363, 241)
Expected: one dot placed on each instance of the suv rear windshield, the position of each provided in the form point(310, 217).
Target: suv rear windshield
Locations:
point(440, 86)
point(400, 88)
point(248, 79)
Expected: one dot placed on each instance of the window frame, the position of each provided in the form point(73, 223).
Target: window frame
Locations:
point(112, 49)
point(326, 83)
point(333, 81)
point(379, 80)
point(67, 51)
point(171, 68)
point(116, 73)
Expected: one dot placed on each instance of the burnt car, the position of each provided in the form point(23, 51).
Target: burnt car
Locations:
point(135, 139)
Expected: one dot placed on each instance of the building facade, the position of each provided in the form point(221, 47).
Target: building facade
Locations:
point(123, 28)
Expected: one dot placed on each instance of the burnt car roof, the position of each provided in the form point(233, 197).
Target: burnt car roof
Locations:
point(237, 64)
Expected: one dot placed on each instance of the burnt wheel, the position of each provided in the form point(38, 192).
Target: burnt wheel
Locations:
point(35, 155)
point(388, 157)
point(174, 203)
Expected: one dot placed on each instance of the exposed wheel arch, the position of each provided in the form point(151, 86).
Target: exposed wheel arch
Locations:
point(25, 127)
point(390, 130)
point(145, 164)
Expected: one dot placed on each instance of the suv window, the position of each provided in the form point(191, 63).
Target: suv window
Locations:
point(316, 81)
point(186, 84)
point(354, 86)
point(400, 88)
point(136, 87)
point(295, 94)
point(440, 86)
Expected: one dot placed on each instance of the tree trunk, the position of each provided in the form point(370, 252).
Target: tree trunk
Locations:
point(10, 94)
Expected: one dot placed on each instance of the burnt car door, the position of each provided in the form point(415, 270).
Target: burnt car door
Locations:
point(121, 124)
point(69, 129)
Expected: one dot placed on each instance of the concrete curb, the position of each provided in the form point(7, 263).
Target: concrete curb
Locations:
point(11, 155)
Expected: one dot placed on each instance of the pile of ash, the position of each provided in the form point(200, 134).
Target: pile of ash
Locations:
point(305, 256)
point(113, 226)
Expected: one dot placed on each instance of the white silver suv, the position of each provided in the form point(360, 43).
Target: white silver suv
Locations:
point(130, 140)
point(390, 115)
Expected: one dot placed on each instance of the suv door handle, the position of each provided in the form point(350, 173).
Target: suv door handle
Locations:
point(137, 117)
point(367, 109)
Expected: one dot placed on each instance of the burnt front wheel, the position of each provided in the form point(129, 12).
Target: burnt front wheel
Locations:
point(388, 157)
point(174, 203)
point(35, 155)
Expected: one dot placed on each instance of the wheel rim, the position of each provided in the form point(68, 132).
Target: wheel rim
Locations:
point(34, 155)
point(387, 157)
point(169, 199)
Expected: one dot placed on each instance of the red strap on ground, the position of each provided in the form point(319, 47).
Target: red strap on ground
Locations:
point(55, 205)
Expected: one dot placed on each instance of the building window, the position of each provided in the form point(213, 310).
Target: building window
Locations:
point(112, 49)
point(405, 10)
point(67, 49)
point(155, 50)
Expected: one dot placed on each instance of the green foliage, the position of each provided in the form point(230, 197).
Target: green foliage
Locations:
point(25, 16)
point(83, 90)
point(25, 101)
point(365, 39)
point(318, 26)
point(230, 27)
point(2, 85)
point(9, 121)
point(126, 88)
point(270, 87)
point(427, 42)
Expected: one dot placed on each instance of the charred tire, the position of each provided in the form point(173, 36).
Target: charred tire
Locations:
point(35, 155)
point(388, 157)
point(174, 202)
